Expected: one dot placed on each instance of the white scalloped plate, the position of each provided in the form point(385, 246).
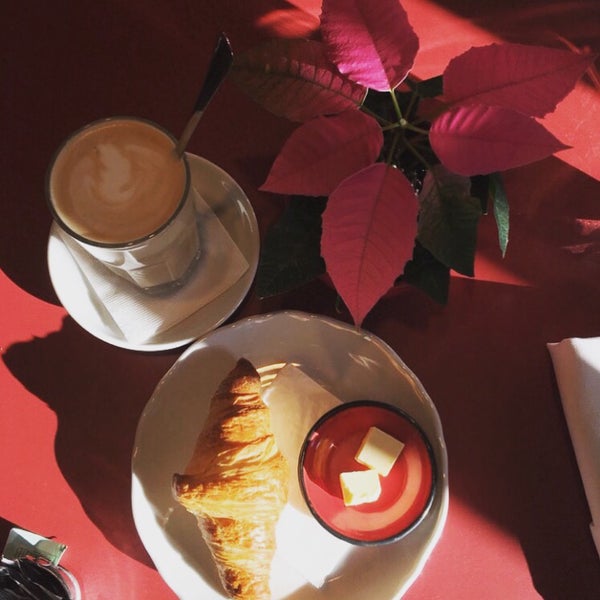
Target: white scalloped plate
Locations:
point(352, 364)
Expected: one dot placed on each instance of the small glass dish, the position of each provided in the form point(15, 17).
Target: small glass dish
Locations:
point(407, 492)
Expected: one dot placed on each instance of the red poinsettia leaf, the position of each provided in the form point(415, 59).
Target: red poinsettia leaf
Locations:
point(324, 151)
point(295, 79)
point(289, 22)
point(369, 229)
point(530, 79)
point(372, 43)
point(476, 140)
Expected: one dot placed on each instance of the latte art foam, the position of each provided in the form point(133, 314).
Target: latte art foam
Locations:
point(117, 181)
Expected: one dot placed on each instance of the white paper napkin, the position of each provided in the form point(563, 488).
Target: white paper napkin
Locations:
point(296, 402)
point(577, 367)
point(140, 316)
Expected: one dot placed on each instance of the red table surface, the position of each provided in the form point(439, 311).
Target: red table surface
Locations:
point(518, 523)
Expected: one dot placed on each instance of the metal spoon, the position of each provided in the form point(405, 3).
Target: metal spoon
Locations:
point(217, 70)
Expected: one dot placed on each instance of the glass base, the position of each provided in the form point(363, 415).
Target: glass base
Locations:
point(164, 289)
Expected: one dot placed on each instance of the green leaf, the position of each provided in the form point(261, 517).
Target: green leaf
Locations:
point(501, 211)
point(480, 189)
point(428, 274)
point(448, 219)
point(290, 255)
point(491, 188)
point(428, 88)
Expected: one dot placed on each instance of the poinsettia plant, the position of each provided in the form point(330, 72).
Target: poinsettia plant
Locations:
point(387, 176)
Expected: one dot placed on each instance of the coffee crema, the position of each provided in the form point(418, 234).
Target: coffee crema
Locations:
point(117, 181)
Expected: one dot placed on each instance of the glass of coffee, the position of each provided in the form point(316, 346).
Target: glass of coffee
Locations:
point(119, 190)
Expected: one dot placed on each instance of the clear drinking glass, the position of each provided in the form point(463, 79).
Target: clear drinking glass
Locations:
point(118, 189)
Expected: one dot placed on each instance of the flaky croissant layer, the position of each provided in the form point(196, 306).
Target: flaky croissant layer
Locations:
point(236, 484)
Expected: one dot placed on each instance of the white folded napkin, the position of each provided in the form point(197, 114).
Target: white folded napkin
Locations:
point(296, 402)
point(141, 316)
point(577, 367)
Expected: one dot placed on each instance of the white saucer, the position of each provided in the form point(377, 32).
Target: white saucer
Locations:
point(232, 207)
point(352, 364)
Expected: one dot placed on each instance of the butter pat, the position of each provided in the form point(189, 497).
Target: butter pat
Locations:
point(360, 487)
point(379, 451)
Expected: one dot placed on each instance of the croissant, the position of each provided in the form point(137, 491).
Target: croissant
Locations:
point(236, 484)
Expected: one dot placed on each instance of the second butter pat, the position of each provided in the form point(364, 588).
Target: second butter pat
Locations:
point(379, 451)
point(360, 487)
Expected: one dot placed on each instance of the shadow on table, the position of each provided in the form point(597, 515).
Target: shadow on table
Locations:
point(510, 455)
point(508, 432)
point(5, 527)
point(532, 21)
point(97, 395)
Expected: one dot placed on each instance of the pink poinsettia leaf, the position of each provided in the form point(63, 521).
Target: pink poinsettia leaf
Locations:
point(369, 230)
point(477, 140)
point(530, 79)
point(372, 43)
point(324, 151)
point(295, 79)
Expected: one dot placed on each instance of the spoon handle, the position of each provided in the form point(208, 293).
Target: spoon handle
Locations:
point(217, 70)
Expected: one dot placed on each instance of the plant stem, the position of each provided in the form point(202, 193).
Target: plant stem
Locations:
point(417, 154)
point(414, 128)
point(396, 106)
point(411, 103)
point(385, 124)
point(390, 156)
point(420, 141)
